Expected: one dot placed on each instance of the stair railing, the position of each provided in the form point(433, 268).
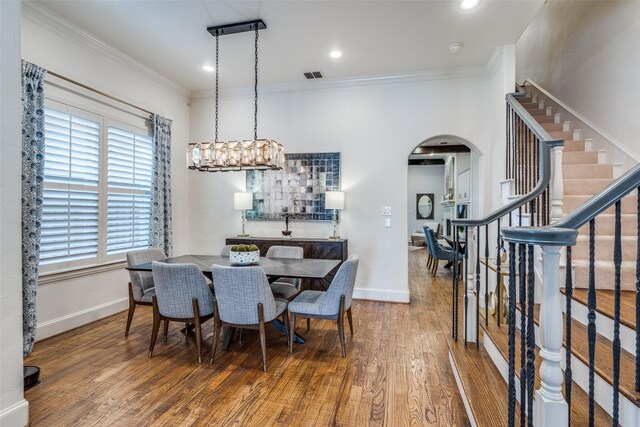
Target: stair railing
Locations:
point(529, 150)
point(552, 408)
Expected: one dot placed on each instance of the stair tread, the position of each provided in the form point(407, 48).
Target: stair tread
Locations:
point(579, 399)
point(604, 356)
point(483, 385)
point(604, 306)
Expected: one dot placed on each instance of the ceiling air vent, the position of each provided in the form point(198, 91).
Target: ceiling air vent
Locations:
point(313, 75)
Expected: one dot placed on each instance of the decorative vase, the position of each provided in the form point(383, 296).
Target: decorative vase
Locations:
point(244, 258)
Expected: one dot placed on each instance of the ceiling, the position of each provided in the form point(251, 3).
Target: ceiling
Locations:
point(376, 37)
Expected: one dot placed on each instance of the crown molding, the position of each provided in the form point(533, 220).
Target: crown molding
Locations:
point(45, 18)
point(466, 73)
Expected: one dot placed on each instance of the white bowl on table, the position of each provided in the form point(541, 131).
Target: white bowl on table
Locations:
point(244, 258)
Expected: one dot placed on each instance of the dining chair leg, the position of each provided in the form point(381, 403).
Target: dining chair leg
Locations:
point(285, 322)
point(308, 324)
point(132, 308)
point(166, 330)
point(350, 320)
point(341, 325)
point(198, 330)
point(156, 326)
point(263, 337)
point(292, 325)
point(434, 269)
point(217, 326)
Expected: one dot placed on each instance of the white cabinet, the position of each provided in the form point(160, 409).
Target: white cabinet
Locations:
point(463, 188)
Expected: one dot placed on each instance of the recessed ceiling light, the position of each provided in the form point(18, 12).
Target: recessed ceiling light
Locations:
point(468, 4)
point(208, 68)
point(335, 54)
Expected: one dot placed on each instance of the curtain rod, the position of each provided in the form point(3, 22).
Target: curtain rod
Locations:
point(82, 85)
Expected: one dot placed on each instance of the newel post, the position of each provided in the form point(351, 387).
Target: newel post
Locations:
point(470, 314)
point(557, 184)
point(550, 406)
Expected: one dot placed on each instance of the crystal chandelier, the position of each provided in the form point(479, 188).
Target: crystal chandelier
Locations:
point(222, 156)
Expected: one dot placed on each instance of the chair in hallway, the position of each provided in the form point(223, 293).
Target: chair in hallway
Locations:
point(330, 304)
point(141, 287)
point(285, 288)
point(182, 295)
point(438, 252)
point(243, 299)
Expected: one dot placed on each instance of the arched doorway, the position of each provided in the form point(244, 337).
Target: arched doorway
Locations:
point(443, 179)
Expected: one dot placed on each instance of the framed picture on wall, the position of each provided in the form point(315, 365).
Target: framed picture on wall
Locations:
point(424, 206)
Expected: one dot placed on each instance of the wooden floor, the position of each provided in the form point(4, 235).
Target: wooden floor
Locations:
point(396, 373)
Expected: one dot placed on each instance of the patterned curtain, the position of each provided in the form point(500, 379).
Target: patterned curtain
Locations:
point(160, 233)
point(32, 182)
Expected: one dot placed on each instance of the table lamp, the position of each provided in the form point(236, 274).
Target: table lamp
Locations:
point(334, 200)
point(242, 202)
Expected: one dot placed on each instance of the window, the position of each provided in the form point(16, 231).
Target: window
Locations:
point(97, 188)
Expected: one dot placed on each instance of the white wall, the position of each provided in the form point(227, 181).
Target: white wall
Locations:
point(54, 45)
point(374, 127)
point(424, 179)
point(585, 53)
point(14, 410)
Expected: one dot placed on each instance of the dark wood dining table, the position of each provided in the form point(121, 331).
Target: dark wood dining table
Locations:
point(274, 268)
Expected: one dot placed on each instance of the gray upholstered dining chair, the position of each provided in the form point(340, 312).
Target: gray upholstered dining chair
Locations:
point(330, 304)
point(285, 288)
point(182, 295)
point(438, 252)
point(226, 250)
point(141, 288)
point(243, 299)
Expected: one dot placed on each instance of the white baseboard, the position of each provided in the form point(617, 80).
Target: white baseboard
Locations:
point(16, 415)
point(65, 323)
point(385, 295)
point(463, 392)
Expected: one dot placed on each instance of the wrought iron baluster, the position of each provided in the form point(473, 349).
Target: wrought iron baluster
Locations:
point(512, 334)
point(508, 140)
point(498, 271)
point(454, 305)
point(617, 262)
point(591, 327)
point(486, 275)
point(568, 377)
point(477, 285)
point(522, 264)
point(531, 338)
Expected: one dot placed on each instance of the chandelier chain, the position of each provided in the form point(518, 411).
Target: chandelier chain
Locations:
point(217, 74)
point(255, 90)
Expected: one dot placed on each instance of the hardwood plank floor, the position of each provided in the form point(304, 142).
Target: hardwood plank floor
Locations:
point(396, 373)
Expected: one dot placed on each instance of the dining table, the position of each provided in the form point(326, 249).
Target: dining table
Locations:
point(274, 269)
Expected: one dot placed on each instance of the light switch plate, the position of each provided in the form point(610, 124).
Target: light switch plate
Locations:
point(386, 211)
point(387, 222)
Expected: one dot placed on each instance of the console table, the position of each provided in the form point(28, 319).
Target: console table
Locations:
point(313, 248)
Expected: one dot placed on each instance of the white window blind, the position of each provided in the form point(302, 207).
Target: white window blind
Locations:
point(129, 194)
point(97, 188)
point(70, 213)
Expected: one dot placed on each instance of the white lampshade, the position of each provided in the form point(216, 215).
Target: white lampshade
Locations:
point(334, 200)
point(242, 201)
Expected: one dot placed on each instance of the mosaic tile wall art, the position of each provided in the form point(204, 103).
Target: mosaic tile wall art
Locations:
point(297, 190)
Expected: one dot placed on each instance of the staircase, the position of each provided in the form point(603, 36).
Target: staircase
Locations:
point(584, 174)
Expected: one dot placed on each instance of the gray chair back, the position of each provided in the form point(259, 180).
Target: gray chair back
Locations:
point(437, 250)
point(226, 250)
point(239, 290)
point(142, 280)
point(342, 284)
point(176, 287)
point(295, 252)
